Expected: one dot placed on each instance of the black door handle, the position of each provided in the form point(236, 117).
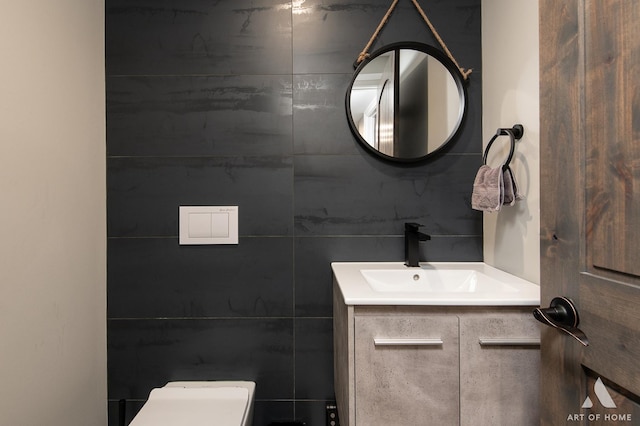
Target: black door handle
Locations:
point(562, 315)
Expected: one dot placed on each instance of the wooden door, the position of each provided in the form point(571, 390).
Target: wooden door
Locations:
point(590, 207)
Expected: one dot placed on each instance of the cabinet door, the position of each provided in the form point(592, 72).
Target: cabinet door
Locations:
point(499, 369)
point(403, 375)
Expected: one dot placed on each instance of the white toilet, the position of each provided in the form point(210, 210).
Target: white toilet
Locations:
point(198, 404)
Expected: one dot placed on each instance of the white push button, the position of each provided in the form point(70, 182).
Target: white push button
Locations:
point(208, 224)
point(200, 225)
point(220, 225)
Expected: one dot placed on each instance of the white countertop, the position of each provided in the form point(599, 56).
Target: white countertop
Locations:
point(357, 291)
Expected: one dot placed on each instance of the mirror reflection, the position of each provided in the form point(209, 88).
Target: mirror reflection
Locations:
point(405, 103)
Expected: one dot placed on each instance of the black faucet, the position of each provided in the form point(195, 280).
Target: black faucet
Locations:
point(412, 238)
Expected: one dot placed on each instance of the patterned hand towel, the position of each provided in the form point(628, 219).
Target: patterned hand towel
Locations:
point(511, 194)
point(488, 189)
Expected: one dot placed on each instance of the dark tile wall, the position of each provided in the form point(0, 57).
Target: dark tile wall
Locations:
point(241, 102)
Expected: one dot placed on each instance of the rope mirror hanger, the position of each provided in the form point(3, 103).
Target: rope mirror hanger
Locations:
point(365, 52)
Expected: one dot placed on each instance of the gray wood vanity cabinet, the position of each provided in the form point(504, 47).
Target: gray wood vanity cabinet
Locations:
point(435, 365)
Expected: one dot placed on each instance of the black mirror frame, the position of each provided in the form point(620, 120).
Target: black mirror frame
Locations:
point(446, 62)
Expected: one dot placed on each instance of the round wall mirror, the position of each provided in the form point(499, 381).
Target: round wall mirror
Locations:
point(406, 101)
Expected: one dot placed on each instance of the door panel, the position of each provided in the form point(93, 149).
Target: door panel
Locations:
point(612, 41)
point(610, 316)
point(590, 203)
point(610, 300)
point(561, 75)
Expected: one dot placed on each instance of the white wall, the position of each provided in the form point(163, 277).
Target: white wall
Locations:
point(52, 214)
point(510, 95)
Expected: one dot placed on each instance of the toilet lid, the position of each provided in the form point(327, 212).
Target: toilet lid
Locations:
point(170, 406)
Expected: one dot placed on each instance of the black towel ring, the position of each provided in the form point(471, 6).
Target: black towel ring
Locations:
point(514, 133)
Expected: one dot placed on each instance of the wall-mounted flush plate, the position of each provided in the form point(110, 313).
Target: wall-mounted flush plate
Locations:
point(208, 225)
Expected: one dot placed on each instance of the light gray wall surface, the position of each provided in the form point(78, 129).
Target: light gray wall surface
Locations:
point(510, 95)
point(52, 220)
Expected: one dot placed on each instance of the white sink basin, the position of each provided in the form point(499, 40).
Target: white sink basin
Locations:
point(438, 283)
point(433, 280)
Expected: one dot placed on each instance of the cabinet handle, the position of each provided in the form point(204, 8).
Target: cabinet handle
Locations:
point(509, 341)
point(407, 342)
